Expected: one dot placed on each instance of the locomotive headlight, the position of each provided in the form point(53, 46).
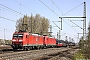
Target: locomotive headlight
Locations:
point(60, 43)
point(20, 40)
point(13, 40)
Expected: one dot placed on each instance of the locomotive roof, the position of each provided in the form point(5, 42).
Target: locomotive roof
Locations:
point(35, 34)
point(51, 37)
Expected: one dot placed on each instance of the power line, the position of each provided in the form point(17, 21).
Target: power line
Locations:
point(70, 26)
point(56, 14)
point(49, 8)
point(61, 11)
point(76, 24)
point(56, 25)
point(25, 6)
point(8, 19)
point(8, 10)
point(72, 9)
point(67, 12)
point(62, 14)
point(57, 7)
point(11, 9)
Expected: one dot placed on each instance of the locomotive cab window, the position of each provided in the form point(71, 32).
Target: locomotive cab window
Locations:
point(15, 36)
point(18, 36)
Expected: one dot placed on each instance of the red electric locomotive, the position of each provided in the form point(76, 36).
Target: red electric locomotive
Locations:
point(24, 40)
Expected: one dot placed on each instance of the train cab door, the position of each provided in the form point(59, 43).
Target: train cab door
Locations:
point(27, 39)
point(44, 40)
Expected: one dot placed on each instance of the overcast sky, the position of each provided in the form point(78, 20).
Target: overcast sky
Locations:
point(51, 9)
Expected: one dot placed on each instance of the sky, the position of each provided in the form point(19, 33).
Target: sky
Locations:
point(52, 9)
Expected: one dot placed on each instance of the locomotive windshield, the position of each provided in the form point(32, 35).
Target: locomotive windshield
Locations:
point(18, 36)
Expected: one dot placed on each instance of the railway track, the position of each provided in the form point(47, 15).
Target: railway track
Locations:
point(62, 55)
point(30, 55)
point(6, 51)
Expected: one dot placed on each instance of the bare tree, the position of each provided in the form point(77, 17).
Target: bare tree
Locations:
point(19, 24)
point(33, 24)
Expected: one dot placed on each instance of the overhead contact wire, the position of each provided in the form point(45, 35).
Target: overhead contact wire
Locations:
point(25, 6)
point(8, 19)
point(57, 7)
point(11, 9)
point(49, 8)
point(72, 9)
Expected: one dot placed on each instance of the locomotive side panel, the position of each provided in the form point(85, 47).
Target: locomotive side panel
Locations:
point(41, 40)
point(46, 40)
point(51, 42)
point(25, 40)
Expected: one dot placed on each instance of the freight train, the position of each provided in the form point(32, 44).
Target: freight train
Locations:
point(28, 41)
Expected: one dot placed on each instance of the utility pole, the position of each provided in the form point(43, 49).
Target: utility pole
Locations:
point(51, 30)
point(3, 41)
point(31, 22)
point(84, 22)
point(66, 38)
point(59, 35)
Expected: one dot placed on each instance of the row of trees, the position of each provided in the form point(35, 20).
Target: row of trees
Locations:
point(33, 24)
